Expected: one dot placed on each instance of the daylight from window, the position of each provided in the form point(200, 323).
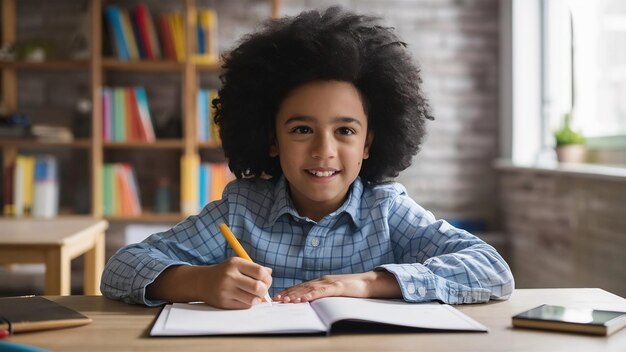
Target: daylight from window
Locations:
point(597, 89)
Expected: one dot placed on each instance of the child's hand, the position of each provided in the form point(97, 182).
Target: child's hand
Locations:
point(234, 284)
point(372, 284)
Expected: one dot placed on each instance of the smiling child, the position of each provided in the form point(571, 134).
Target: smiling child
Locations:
point(317, 114)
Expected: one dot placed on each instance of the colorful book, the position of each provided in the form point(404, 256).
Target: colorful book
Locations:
point(121, 189)
point(144, 113)
point(120, 46)
point(169, 52)
point(178, 35)
point(105, 94)
point(46, 188)
point(129, 35)
point(140, 24)
point(207, 49)
point(189, 165)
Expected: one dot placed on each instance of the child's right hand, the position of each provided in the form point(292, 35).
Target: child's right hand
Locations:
point(235, 283)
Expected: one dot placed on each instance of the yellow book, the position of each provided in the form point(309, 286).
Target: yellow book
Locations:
point(208, 23)
point(29, 180)
point(176, 25)
point(189, 179)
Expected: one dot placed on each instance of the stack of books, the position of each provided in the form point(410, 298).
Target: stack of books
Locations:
point(134, 36)
point(31, 186)
point(201, 183)
point(121, 190)
point(126, 115)
point(133, 33)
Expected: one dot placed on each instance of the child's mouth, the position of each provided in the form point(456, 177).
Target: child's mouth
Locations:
point(318, 173)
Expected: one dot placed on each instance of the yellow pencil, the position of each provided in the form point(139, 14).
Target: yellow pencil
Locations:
point(236, 246)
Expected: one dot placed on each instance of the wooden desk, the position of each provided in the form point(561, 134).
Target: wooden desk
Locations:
point(120, 327)
point(56, 242)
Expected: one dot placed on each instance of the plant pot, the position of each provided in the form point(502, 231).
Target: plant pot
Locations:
point(571, 153)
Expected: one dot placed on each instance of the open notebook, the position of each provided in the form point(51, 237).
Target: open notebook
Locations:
point(318, 317)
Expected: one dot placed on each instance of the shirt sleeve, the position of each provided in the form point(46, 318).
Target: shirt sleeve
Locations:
point(194, 241)
point(436, 261)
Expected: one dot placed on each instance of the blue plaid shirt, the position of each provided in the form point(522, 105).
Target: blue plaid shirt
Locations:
point(377, 228)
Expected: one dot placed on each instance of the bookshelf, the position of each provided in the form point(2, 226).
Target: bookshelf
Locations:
point(100, 70)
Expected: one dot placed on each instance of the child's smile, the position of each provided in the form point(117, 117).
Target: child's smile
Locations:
point(321, 139)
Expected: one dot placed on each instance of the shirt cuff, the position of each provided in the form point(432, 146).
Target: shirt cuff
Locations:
point(419, 284)
point(415, 280)
point(141, 282)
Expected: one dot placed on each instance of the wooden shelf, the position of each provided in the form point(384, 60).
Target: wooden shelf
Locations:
point(33, 143)
point(147, 216)
point(212, 67)
point(54, 65)
point(159, 144)
point(142, 65)
point(210, 145)
point(96, 69)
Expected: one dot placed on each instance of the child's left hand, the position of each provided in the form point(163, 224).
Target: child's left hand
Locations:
point(372, 284)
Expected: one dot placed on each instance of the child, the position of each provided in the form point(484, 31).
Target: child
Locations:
point(316, 113)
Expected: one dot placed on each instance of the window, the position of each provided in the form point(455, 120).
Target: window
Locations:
point(596, 82)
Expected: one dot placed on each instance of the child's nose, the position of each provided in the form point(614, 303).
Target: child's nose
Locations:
point(323, 147)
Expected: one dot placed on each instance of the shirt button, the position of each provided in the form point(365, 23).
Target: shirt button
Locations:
point(421, 291)
point(410, 289)
point(315, 242)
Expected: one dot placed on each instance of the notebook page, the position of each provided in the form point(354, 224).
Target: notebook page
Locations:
point(395, 312)
point(201, 319)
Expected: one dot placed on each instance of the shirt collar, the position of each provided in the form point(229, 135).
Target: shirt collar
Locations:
point(283, 205)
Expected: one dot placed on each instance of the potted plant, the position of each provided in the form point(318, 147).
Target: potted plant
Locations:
point(570, 144)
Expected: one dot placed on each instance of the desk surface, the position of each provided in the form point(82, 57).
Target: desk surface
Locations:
point(56, 231)
point(120, 327)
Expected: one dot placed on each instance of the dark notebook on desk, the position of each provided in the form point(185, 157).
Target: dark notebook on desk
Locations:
point(30, 313)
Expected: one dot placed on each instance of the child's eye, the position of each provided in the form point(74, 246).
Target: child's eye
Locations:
point(345, 130)
point(301, 130)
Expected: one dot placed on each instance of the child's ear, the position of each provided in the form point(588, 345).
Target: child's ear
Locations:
point(368, 142)
point(273, 149)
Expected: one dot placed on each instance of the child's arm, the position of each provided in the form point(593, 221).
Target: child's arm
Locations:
point(372, 284)
point(434, 261)
point(234, 284)
point(179, 265)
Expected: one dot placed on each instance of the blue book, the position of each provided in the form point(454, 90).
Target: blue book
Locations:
point(200, 116)
point(200, 39)
point(202, 200)
point(112, 14)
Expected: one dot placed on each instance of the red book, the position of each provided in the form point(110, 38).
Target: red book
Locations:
point(142, 18)
point(131, 127)
point(139, 132)
point(167, 38)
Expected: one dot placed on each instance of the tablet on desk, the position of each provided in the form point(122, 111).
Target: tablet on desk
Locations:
point(580, 320)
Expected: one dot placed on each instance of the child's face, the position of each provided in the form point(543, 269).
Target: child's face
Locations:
point(321, 141)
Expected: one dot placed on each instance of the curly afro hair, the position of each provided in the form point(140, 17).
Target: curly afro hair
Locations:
point(330, 45)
